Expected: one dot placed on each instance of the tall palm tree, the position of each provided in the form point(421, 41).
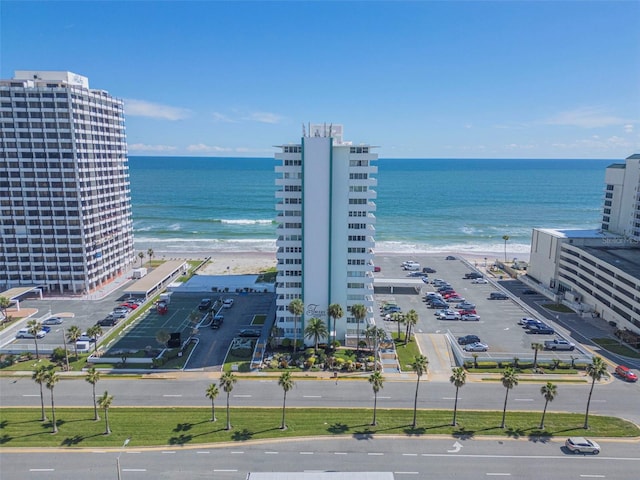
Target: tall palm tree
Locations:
point(105, 402)
point(376, 380)
point(286, 383)
point(315, 329)
point(39, 376)
point(597, 369)
point(50, 379)
point(506, 239)
point(92, 377)
point(34, 327)
point(94, 332)
point(458, 378)
point(420, 364)
point(411, 319)
point(150, 253)
point(398, 317)
point(536, 347)
point(73, 334)
point(141, 255)
point(296, 308)
point(509, 380)
point(162, 337)
point(227, 381)
point(549, 392)
point(335, 311)
point(211, 393)
point(359, 312)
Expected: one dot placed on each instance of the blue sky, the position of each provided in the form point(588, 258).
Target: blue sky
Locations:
point(421, 79)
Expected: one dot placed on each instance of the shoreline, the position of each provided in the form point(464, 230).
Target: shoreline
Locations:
point(252, 262)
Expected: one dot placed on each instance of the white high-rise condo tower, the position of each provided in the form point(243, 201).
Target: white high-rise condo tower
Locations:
point(65, 196)
point(326, 232)
point(621, 212)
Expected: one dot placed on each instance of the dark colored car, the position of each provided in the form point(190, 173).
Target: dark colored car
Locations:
point(436, 303)
point(428, 270)
point(249, 332)
point(541, 329)
point(377, 269)
point(472, 275)
point(468, 339)
point(108, 322)
point(217, 321)
point(450, 257)
point(498, 296)
point(528, 291)
point(205, 304)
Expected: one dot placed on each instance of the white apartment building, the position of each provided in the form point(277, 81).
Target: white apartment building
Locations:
point(597, 272)
point(65, 198)
point(326, 230)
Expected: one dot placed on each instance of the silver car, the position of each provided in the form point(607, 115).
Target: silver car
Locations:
point(582, 445)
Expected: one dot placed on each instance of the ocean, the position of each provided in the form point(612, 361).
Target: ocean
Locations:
point(200, 204)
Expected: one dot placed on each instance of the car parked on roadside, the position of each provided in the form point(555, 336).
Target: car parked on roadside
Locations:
point(108, 322)
point(131, 305)
point(541, 329)
point(24, 333)
point(472, 275)
point(476, 347)
point(626, 374)
point(53, 321)
point(249, 332)
point(449, 257)
point(479, 281)
point(467, 339)
point(498, 296)
point(582, 445)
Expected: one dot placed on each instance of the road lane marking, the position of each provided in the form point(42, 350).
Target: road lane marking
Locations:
point(30, 395)
point(375, 453)
point(312, 396)
point(237, 452)
point(168, 395)
point(340, 453)
point(409, 454)
point(41, 470)
point(592, 476)
point(406, 473)
point(242, 396)
point(523, 399)
point(169, 452)
point(203, 451)
point(134, 469)
point(451, 398)
point(271, 453)
point(499, 474)
point(224, 470)
point(306, 453)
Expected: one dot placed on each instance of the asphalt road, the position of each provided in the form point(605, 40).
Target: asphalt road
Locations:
point(406, 458)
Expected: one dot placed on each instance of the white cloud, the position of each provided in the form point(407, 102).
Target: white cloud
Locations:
point(628, 128)
point(595, 142)
point(264, 117)
point(585, 117)
point(201, 147)
point(141, 147)
point(142, 108)
point(221, 117)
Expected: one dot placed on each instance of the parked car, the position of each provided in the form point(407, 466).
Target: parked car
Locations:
point(476, 347)
point(392, 309)
point(498, 296)
point(86, 338)
point(228, 303)
point(412, 266)
point(205, 304)
point(46, 328)
point(436, 303)
point(626, 374)
point(526, 320)
point(108, 322)
point(377, 269)
point(529, 291)
point(450, 257)
point(559, 344)
point(466, 305)
point(467, 339)
point(217, 321)
point(449, 316)
point(454, 298)
point(24, 333)
point(428, 270)
point(249, 332)
point(470, 317)
point(444, 311)
point(417, 274)
point(472, 275)
point(582, 445)
point(479, 280)
point(131, 305)
point(53, 321)
point(541, 329)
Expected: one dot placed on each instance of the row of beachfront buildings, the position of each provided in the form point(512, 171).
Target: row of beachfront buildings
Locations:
point(67, 224)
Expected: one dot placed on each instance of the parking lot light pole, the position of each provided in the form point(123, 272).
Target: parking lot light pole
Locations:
point(126, 442)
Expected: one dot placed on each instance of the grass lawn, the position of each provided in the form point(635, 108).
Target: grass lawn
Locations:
point(20, 427)
point(406, 353)
point(614, 346)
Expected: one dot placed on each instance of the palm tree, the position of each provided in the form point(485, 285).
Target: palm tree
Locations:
point(506, 239)
point(316, 329)
point(359, 312)
point(94, 332)
point(296, 308)
point(92, 377)
point(162, 337)
point(596, 370)
point(549, 392)
point(376, 380)
point(212, 393)
point(50, 379)
point(34, 327)
point(141, 255)
point(227, 381)
point(5, 303)
point(458, 378)
point(73, 334)
point(536, 347)
point(286, 383)
point(150, 253)
point(509, 380)
point(411, 319)
point(335, 311)
point(105, 402)
point(420, 364)
point(398, 317)
point(39, 376)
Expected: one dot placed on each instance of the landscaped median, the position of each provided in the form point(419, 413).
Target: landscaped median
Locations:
point(21, 427)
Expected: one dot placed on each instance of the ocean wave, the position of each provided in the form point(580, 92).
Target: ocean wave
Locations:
point(243, 221)
point(489, 249)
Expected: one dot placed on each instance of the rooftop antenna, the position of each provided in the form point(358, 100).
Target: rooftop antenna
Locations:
point(330, 129)
point(304, 134)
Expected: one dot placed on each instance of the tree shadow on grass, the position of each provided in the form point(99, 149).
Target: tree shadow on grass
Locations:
point(514, 432)
point(5, 439)
point(183, 427)
point(76, 439)
point(180, 439)
point(4, 424)
point(338, 428)
point(411, 430)
point(463, 434)
point(242, 435)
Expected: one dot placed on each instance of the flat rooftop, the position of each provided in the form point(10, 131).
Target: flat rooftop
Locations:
point(586, 233)
point(626, 259)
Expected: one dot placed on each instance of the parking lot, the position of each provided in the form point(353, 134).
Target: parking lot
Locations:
point(498, 325)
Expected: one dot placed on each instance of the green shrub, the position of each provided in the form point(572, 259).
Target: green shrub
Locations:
point(59, 354)
point(286, 342)
point(241, 352)
point(487, 364)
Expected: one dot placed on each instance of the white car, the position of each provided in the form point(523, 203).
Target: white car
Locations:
point(479, 280)
point(582, 445)
point(228, 303)
point(24, 333)
point(449, 316)
point(470, 317)
point(476, 347)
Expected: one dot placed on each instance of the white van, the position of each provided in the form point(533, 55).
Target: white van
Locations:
point(24, 333)
point(411, 266)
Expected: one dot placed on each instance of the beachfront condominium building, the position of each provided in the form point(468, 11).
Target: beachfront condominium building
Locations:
point(597, 272)
point(65, 198)
point(326, 232)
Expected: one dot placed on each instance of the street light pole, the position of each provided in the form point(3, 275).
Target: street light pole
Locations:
point(126, 442)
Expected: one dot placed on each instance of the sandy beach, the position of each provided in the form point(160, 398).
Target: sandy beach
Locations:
point(239, 263)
